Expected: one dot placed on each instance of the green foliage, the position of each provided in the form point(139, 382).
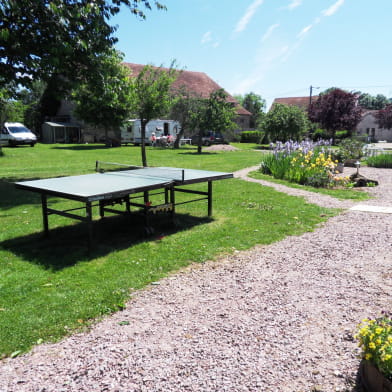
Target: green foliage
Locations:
point(215, 114)
point(372, 102)
point(351, 149)
point(255, 104)
point(375, 339)
point(381, 160)
point(285, 122)
point(315, 168)
point(252, 137)
point(319, 134)
point(51, 287)
point(339, 135)
point(185, 103)
point(106, 99)
point(41, 38)
point(151, 96)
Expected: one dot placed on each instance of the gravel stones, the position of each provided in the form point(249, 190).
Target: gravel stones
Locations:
point(274, 318)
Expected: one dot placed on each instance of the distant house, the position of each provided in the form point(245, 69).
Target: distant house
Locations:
point(197, 82)
point(368, 128)
point(300, 102)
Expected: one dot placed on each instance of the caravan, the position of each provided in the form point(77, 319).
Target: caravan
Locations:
point(131, 131)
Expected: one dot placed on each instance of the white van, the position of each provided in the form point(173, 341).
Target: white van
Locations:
point(12, 134)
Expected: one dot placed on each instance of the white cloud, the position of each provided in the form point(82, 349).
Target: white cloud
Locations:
point(301, 35)
point(269, 31)
point(333, 8)
point(294, 4)
point(304, 31)
point(207, 37)
point(246, 18)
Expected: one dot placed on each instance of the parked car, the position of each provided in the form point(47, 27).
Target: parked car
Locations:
point(12, 134)
point(208, 138)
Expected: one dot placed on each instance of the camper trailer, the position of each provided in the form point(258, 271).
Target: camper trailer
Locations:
point(131, 131)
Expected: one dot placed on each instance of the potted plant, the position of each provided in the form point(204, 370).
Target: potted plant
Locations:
point(375, 339)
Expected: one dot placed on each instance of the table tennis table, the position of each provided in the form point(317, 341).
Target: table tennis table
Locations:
point(124, 185)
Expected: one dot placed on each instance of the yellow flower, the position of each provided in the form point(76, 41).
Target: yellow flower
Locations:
point(368, 356)
point(378, 330)
point(372, 346)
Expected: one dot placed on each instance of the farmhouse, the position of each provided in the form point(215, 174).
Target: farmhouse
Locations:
point(197, 82)
point(369, 129)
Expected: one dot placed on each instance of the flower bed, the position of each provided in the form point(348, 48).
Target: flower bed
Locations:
point(305, 163)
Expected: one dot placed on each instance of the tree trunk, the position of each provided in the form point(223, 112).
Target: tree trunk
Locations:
point(199, 141)
point(143, 142)
point(178, 138)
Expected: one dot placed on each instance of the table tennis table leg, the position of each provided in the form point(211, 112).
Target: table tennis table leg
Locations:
point(89, 220)
point(209, 198)
point(44, 202)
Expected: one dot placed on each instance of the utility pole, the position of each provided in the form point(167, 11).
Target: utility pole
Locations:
point(310, 95)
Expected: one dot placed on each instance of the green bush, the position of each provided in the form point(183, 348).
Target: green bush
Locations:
point(340, 135)
point(252, 137)
point(382, 161)
point(319, 134)
point(351, 149)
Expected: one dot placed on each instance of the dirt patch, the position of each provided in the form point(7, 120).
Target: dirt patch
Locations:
point(221, 147)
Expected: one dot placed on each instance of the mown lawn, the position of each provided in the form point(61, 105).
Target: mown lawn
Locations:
point(51, 287)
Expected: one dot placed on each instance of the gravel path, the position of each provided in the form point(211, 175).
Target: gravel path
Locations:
point(275, 318)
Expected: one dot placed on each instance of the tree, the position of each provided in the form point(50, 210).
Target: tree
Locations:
point(378, 102)
point(10, 108)
point(336, 110)
point(105, 100)
point(384, 117)
point(214, 113)
point(152, 98)
point(284, 122)
point(254, 104)
point(185, 103)
point(42, 38)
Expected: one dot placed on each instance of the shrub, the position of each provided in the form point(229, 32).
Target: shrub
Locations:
point(319, 134)
point(339, 135)
point(352, 149)
point(375, 339)
point(382, 160)
point(252, 137)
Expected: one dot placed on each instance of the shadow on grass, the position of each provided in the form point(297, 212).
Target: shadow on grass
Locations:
point(11, 197)
point(82, 147)
point(68, 245)
point(196, 153)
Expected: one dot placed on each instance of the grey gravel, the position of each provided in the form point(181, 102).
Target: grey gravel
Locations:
point(274, 318)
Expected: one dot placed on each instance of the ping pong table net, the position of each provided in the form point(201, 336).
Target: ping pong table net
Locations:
point(171, 173)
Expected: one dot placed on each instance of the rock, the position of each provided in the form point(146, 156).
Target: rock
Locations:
point(360, 180)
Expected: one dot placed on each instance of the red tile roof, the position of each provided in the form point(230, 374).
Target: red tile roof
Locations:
point(197, 82)
point(301, 102)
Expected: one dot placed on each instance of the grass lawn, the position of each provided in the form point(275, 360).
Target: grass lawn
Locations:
point(343, 194)
point(52, 287)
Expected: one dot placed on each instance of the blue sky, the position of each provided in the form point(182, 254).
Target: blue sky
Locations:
point(275, 48)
